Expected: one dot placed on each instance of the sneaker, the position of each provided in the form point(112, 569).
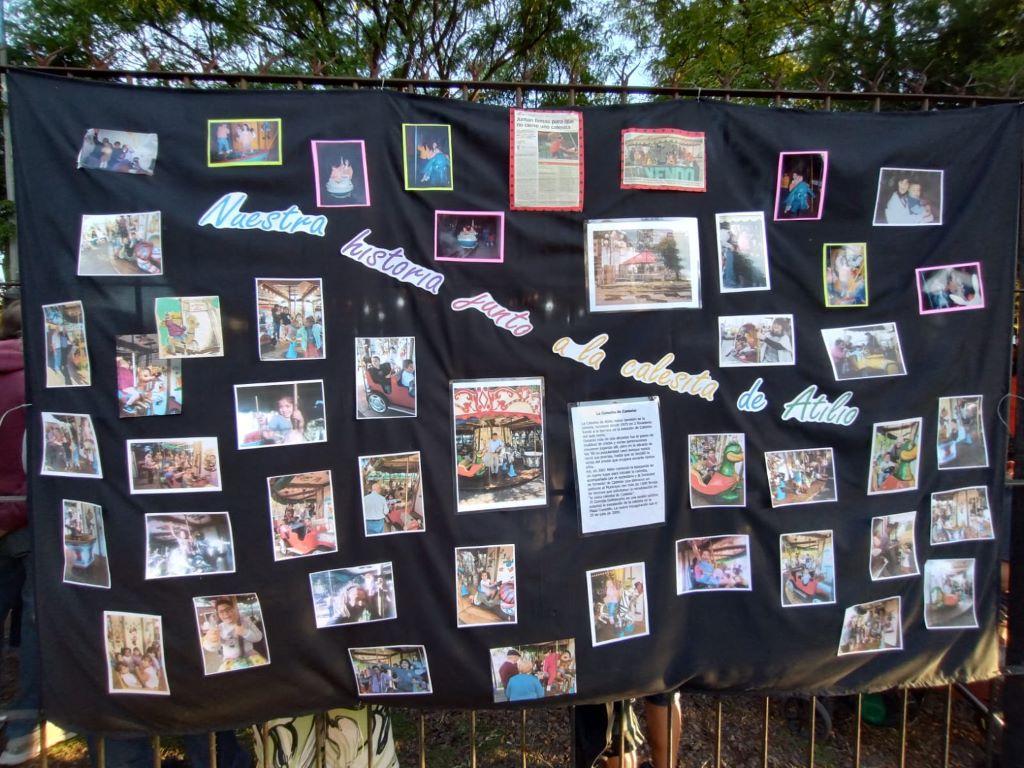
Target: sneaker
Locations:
point(21, 748)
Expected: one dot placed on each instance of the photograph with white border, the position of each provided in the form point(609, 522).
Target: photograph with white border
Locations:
point(359, 594)
point(173, 465)
point(85, 545)
point(134, 645)
point(807, 568)
point(120, 245)
point(908, 197)
point(282, 413)
point(895, 456)
point(872, 627)
point(67, 350)
point(290, 318)
point(302, 521)
point(392, 490)
point(742, 252)
point(801, 476)
point(188, 544)
point(756, 340)
point(525, 671)
point(714, 563)
point(391, 670)
point(485, 584)
point(618, 603)
point(960, 438)
point(864, 351)
point(70, 448)
point(961, 514)
point(949, 594)
point(717, 469)
point(893, 548)
point(231, 632)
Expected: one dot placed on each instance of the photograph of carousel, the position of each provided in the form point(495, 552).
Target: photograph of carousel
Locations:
point(804, 476)
point(960, 441)
point(499, 443)
point(717, 470)
point(893, 552)
point(618, 603)
point(280, 413)
point(135, 659)
point(962, 514)
point(720, 563)
point(70, 449)
point(807, 568)
point(85, 545)
point(640, 264)
point(485, 579)
point(302, 514)
point(872, 627)
point(864, 351)
point(895, 456)
point(119, 244)
point(67, 351)
point(469, 236)
point(949, 594)
point(392, 489)
point(356, 595)
point(385, 377)
point(188, 544)
point(231, 632)
point(394, 670)
point(173, 465)
point(290, 319)
point(146, 384)
point(533, 670)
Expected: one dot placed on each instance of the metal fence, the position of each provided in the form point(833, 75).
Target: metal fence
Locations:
point(955, 727)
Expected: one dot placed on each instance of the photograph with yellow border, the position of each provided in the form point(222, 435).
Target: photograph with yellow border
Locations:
point(427, 157)
point(844, 270)
point(243, 141)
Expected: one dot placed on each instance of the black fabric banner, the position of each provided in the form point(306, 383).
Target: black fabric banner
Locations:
point(774, 622)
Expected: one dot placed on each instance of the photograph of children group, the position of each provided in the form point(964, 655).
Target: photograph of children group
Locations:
point(284, 413)
point(874, 626)
point(805, 476)
point(961, 437)
point(385, 377)
point(121, 244)
point(535, 671)
point(173, 465)
point(865, 351)
point(486, 583)
point(392, 493)
point(846, 275)
point(618, 603)
point(908, 197)
point(665, 159)
point(85, 545)
point(251, 141)
point(360, 594)
point(231, 632)
point(302, 514)
point(119, 151)
point(717, 562)
point(70, 449)
point(893, 553)
point(67, 355)
point(949, 594)
point(469, 236)
point(807, 568)
point(135, 660)
point(717, 470)
point(147, 385)
point(391, 670)
point(801, 187)
point(962, 514)
point(755, 340)
point(189, 326)
point(640, 264)
point(290, 318)
point(743, 252)
point(895, 455)
point(950, 288)
point(188, 544)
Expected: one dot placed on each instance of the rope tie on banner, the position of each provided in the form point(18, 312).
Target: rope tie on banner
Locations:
point(698, 92)
point(1003, 399)
point(382, 82)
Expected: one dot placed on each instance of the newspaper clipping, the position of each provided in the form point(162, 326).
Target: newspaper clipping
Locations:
point(547, 160)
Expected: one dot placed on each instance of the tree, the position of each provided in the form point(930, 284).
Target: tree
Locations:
point(669, 253)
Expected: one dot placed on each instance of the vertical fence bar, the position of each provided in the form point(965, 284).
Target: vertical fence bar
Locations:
point(878, 104)
point(44, 758)
point(572, 96)
point(423, 741)
point(522, 737)
point(211, 748)
point(265, 738)
point(622, 730)
point(814, 723)
point(764, 749)
point(857, 732)
point(156, 751)
point(472, 738)
point(949, 726)
point(903, 729)
point(670, 753)
point(519, 97)
point(718, 736)
point(369, 736)
point(828, 103)
point(101, 752)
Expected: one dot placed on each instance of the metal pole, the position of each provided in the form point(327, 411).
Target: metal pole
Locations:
point(13, 270)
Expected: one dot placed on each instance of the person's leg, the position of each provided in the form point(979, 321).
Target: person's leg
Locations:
point(656, 712)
